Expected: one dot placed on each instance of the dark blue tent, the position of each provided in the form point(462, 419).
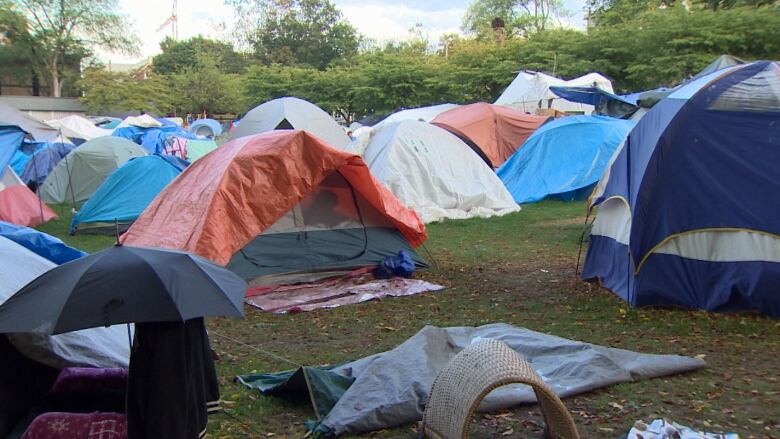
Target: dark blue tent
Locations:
point(688, 211)
point(42, 161)
point(126, 193)
point(42, 244)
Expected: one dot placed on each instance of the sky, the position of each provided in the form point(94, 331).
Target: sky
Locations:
point(381, 20)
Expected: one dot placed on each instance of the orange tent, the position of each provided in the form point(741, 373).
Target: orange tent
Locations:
point(495, 132)
point(279, 202)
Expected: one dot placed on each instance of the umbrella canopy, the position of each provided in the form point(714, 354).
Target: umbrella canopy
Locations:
point(123, 284)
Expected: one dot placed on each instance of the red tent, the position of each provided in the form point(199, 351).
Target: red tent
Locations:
point(279, 202)
point(495, 132)
point(19, 205)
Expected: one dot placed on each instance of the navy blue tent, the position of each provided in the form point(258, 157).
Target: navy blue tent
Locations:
point(38, 166)
point(42, 244)
point(688, 212)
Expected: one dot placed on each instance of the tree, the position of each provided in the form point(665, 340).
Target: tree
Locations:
point(204, 88)
point(303, 32)
point(116, 93)
point(520, 17)
point(61, 32)
point(177, 56)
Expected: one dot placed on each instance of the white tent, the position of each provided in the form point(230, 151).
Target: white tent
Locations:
point(295, 114)
point(142, 121)
point(531, 90)
point(98, 347)
point(425, 114)
point(78, 127)
point(432, 171)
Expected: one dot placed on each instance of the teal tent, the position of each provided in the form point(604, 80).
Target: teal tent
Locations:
point(126, 193)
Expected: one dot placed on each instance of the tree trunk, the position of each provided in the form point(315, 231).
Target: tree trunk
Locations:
point(56, 87)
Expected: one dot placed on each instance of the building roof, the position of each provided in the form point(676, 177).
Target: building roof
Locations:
point(44, 103)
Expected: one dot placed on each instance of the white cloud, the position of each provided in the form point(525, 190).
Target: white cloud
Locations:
point(385, 22)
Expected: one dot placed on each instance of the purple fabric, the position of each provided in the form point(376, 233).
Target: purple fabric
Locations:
point(90, 379)
point(57, 425)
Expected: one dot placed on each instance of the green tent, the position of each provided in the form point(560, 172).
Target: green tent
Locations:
point(198, 148)
point(77, 176)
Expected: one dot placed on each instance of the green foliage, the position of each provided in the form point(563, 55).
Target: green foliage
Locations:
point(115, 93)
point(666, 46)
point(521, 17)
point(304, 32)
point(59, 33)
point(204, 88)
point(177, 56)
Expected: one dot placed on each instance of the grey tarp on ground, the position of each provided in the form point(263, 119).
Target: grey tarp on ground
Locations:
point(391, 388)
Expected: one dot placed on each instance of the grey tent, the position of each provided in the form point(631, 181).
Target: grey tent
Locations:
point(719, 63)
point(77, 176)
point(39, 130)
point(292, 114)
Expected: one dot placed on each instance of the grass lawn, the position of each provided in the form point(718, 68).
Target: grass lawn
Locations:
point(518, 269)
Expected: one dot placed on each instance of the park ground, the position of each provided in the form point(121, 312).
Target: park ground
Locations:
point(517, 269)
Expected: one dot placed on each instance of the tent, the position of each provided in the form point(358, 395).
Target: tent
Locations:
point(292, 114)
point(425, 114)
point(531, 90)
point(719, 63)
point(493, 131)
point(78, 175)
point(11, 138)
point(18, 204)
point(98, 347)
point(280, 207)
point(433, 172)
point(604, 103)
point(39, 131)
point(43, 161)
point(687, 211)
point(42, 244)
point(198, 148)
point(125, 194)
point(564, 158)
point(78, 127)
point(205, 128)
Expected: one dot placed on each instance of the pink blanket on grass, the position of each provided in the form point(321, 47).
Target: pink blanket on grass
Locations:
point(334, 293)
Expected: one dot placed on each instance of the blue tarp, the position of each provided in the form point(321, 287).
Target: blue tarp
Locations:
point(41, 163)
point(42, 244)
point(153, 139)
point(11, 137)
point(700, 167)
point(127, 192)
point(563, 158)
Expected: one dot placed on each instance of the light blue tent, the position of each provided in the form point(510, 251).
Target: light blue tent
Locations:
point(126, 193)
point(564, 158)
point(206, 128)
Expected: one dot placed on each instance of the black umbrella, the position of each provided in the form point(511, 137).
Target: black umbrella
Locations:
point(123, 284)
